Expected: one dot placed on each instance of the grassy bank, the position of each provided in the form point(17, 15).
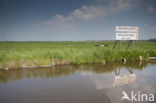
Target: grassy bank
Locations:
point(17, 54)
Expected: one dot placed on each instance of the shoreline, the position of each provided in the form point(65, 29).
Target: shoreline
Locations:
point(24, 65)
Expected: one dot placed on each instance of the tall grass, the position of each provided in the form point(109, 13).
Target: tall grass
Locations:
point(75, 52)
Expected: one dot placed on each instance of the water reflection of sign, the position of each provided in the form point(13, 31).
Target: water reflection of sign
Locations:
point(126, 33)
point(124, 78)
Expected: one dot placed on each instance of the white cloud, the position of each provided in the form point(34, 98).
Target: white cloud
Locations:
point(91, 12)
point(88, 12)
point(151, 9)
point(60, 20)
point(101, 81)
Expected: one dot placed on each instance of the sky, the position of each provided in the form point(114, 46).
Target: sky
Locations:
point(74, 20)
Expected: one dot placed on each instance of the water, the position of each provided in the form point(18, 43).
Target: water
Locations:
point(87, 83)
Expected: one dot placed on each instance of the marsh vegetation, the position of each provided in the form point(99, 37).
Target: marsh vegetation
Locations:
point(17, 54)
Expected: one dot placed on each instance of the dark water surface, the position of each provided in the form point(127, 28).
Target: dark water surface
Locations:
point(87, 83)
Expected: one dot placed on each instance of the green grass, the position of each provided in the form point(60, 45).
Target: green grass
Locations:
point(79, 52)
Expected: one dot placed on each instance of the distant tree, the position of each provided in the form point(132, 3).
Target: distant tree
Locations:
point(153, 40)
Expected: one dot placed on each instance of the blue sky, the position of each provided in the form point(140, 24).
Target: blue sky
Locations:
point(74, 20)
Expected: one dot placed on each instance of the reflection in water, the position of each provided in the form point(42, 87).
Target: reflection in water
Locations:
point(45, 73)
point(124, 78)
point(87, 83)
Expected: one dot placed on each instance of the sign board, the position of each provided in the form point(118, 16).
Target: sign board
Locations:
point(126, 33)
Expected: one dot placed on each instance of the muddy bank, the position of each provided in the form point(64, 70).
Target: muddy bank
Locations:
point(33, 64)
point(51, 63)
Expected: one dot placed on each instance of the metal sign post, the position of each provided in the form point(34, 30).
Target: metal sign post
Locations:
point(133, 44)
point(119, 44)
point(115, 44)
point(129, 44)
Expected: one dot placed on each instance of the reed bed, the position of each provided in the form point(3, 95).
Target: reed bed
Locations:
point(14, 54)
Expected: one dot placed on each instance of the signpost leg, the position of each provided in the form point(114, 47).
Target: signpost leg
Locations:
point(129, 44)
point(115, 44)
point(133, 44)
point(119, 44)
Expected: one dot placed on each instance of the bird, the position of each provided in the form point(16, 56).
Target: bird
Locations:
point(125, 96)
point(123, 60)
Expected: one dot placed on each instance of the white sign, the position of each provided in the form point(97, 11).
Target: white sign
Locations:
point(126, 33)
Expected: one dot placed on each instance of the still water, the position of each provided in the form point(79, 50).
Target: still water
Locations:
point(87, 83)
